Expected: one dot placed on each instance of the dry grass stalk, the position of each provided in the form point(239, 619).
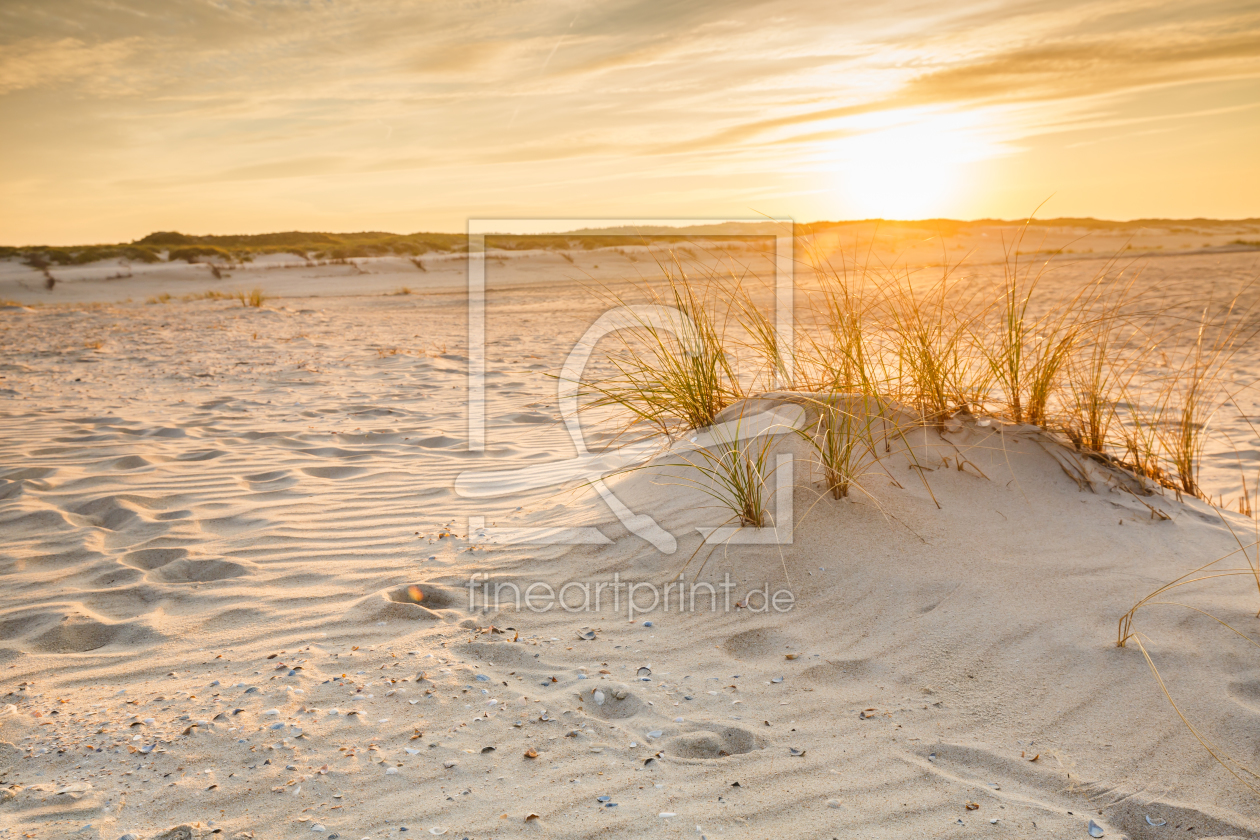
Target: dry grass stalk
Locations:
point(843, 440)
point(736, 473)
point(254, 297)
point(674, 375)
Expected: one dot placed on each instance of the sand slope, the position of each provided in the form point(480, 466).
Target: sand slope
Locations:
point(212, 520)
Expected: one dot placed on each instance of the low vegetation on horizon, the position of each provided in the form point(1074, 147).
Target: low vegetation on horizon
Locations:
point(173, 246)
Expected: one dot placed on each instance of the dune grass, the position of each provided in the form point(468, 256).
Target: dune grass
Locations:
point(735, 473)
point(164, 297)
point(1076, 364)
point(673, 372)
point(253, 298)
point(1105, 369)
point(209, 294)
point(842, 438)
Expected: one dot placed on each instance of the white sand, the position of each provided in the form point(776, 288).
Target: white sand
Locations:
point(216, 514)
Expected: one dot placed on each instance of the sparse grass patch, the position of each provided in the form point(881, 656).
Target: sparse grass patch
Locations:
point(672, 368)
point(164, 297)
point(735, 473)
point(843, 439)
point(254, 297)
point(210, 294)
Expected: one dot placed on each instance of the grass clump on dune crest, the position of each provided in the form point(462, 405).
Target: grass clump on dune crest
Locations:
point(1101, 366)
point(1075, 363)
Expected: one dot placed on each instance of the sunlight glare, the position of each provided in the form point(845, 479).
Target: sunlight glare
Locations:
point(909, 165)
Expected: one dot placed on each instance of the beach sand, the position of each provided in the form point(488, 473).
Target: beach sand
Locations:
point(236, 562)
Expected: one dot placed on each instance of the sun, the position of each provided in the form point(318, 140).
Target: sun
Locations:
point(907, 165)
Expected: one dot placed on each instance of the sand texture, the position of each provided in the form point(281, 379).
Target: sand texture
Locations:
point(235, 549)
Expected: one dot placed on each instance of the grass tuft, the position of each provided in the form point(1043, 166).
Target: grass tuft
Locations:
point(672, 370)
point(254, 297)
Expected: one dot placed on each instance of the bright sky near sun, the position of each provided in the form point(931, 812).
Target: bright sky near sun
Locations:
point(120, 117)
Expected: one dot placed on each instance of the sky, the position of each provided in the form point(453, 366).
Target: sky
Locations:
point(121, 117)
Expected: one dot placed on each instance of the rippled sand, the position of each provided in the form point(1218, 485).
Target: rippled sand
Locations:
point(235, 568)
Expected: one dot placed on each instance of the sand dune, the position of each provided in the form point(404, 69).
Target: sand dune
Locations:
point(237, 561)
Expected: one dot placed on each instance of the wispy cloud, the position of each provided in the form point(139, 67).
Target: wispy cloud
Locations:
point(145, 95)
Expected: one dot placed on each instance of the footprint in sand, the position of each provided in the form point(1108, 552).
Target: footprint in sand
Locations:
point(71, 630)
point(174, 565)
point(147, 559)
point(189, 570)
point(834, 671)
point(761, 642)
point(424, 601)
point(712, 741)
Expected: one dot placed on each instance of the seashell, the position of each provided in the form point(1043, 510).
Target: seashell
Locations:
point(1095, 830)
point(777, 680)
point(586, 634)
point(796, 752)
point(645, 671)
point(599, 698)
point(1150, 821)
point(655, 733)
